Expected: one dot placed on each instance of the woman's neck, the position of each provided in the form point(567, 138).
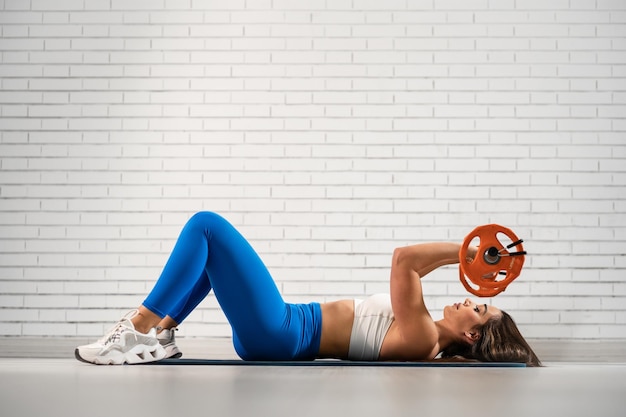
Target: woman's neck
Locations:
point(446, 336)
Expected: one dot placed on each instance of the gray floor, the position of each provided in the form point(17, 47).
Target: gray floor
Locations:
point(39, 377)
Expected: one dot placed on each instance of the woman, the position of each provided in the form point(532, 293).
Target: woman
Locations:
point(210, 254)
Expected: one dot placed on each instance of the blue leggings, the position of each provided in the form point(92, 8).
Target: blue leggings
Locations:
point(211, 254)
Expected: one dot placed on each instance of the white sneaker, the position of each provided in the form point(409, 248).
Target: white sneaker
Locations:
point(168, 341)
point(122, 344)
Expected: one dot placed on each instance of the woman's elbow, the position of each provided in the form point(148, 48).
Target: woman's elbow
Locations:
point(399, 256)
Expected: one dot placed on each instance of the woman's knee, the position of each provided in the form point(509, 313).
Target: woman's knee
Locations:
point(204, 219)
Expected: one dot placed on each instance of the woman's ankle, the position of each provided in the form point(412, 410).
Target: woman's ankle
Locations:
point(166, 324)
point(145, 320)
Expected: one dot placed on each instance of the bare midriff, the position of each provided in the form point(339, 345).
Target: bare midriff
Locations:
point(337, 319)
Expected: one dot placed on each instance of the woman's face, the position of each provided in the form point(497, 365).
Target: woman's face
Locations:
point(467, 316)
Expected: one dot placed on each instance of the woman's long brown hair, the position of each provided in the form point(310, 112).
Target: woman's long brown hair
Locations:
point(500, 341)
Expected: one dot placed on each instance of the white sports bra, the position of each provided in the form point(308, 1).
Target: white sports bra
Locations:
point(372, 319)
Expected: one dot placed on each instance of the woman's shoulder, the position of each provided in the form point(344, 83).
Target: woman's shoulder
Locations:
point(396, 346)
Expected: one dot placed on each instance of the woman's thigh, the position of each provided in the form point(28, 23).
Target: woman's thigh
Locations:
point(244, 287)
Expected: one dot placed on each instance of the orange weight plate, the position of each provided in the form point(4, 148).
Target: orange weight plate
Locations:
point(494, 267)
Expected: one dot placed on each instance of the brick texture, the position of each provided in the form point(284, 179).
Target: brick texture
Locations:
point(329, 132)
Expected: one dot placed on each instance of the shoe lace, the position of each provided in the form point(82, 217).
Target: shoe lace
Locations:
point(115, 333)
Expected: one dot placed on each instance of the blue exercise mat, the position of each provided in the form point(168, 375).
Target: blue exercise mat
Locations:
point(331, 362)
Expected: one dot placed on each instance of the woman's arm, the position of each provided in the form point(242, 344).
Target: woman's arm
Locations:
point(426, 257)
point(409, 265)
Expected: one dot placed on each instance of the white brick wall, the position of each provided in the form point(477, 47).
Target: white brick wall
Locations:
point(329, 132)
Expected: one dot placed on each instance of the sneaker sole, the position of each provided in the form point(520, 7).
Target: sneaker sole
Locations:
point(138, 354)
point(172, 351)
point(80, 358)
